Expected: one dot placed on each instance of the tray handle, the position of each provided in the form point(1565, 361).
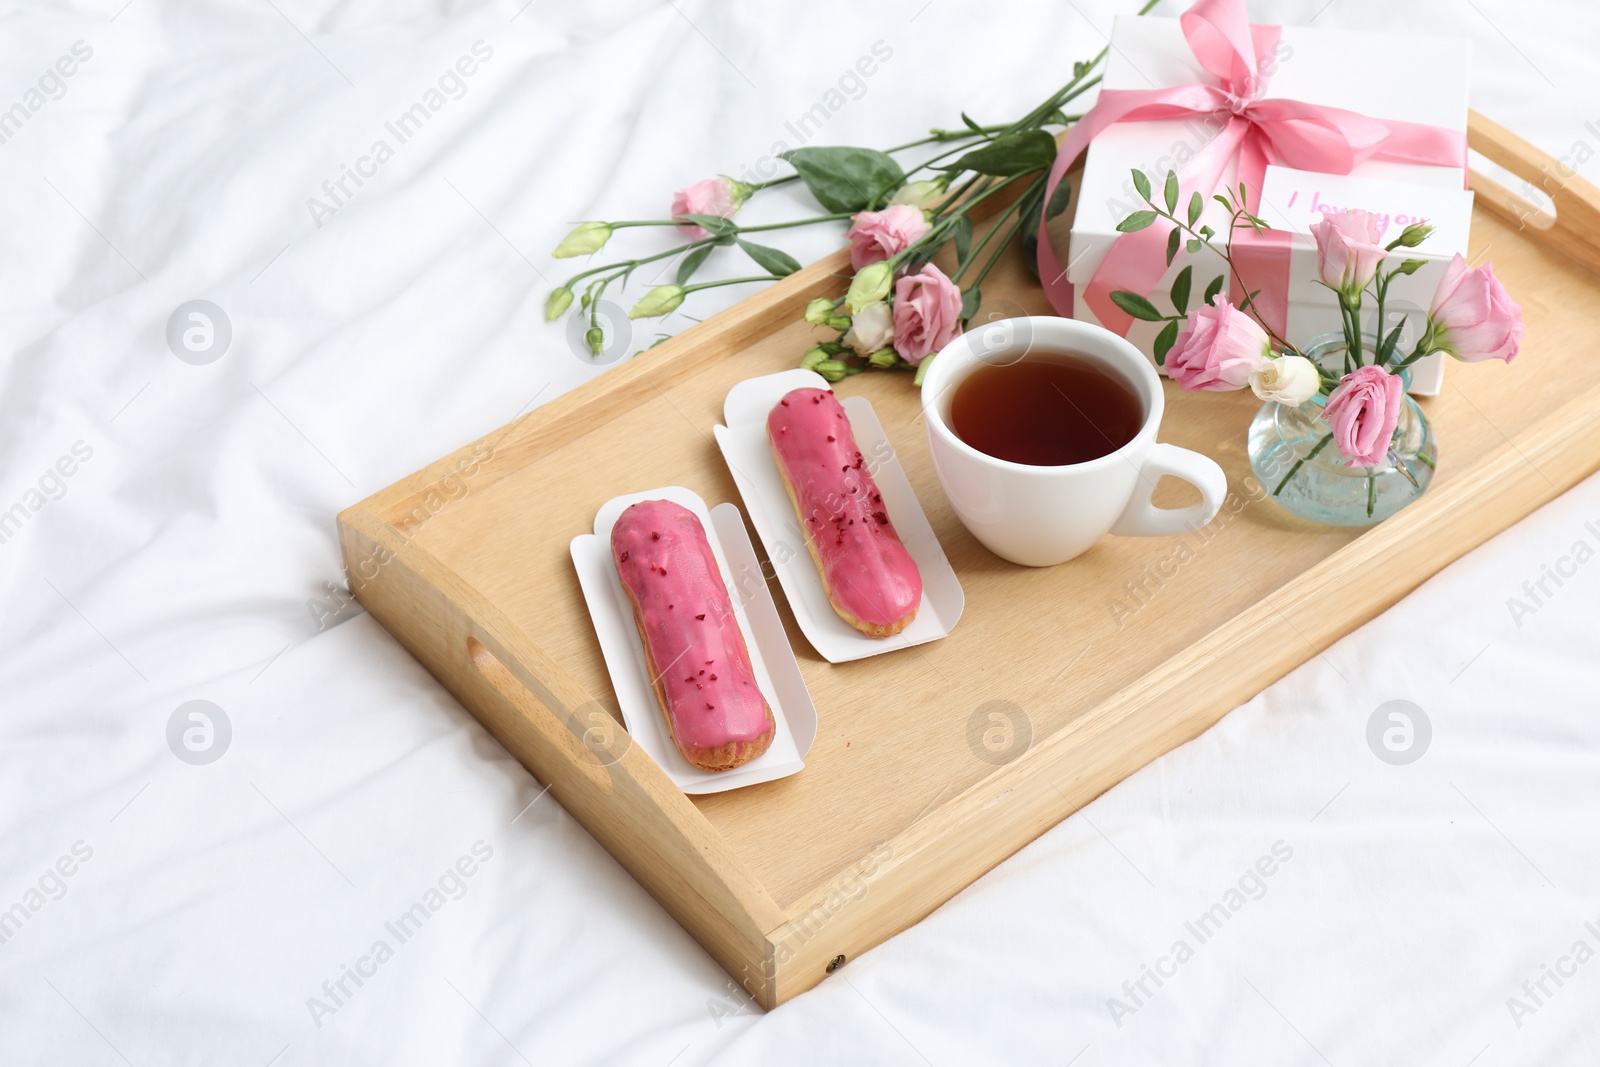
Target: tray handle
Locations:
point(1574, 229)
point(592, 740)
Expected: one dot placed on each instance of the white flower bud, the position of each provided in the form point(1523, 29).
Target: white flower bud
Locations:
point(1290, 380)
point(871, 329)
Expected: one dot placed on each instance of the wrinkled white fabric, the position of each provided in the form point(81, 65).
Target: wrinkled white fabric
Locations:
point(229, 912)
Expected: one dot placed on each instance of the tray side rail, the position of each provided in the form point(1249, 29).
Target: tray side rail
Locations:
point(569, 741)
point(1574, 229)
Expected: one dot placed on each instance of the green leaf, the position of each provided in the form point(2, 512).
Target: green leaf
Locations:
point(1029, 208)
point(774, 261)
point(1194, 244)
point(1004, 157)
point(1214, 288)
point(969, 303)
point(691, 263)
point(973, 126)
point(1170, 192)
point(1059, 199)
point(713, 224)
point(1386, 348)
point(1243, 196)
point(1164, 342)
point(1180, 290)
point(1141, 183)
point(1197, 204)
point(1173, 240)
point(846, 179)
point(962, 231)
point(1137, 221)
point(1136, 305)
point(1224, 201)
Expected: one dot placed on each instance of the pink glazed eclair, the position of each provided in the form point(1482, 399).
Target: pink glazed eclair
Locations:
point(699, 666)
point(870, 578)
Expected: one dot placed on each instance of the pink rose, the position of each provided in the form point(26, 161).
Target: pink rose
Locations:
point(1219, 348)
point(1348, 252)
point(1473, 318)
point(927, 313)
point(1362, 412)
point(877, 235)
point(714, 196)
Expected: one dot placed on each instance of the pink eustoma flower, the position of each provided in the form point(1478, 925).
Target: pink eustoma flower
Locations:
point(1219, 348)
point(714, 196)
point(1348, 249)
point(1362, 413)
point(927, 313)
point(1473, 317)
point(877, 235)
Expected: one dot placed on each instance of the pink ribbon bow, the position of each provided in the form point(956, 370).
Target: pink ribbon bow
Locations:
point(1257, 131)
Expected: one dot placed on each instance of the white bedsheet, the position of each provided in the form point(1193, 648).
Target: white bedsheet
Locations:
point(179, 913)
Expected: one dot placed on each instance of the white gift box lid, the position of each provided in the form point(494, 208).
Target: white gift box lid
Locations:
point(1386, 76)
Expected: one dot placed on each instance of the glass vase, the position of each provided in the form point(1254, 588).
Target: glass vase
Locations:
point(1302, 471)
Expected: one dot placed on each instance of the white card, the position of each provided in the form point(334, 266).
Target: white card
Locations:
point(1294, 199)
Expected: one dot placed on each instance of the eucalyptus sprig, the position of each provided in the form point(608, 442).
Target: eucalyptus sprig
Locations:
point(1189, 233)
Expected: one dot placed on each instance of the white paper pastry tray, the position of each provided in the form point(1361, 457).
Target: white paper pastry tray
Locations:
point(749, 456)
point(777, 673)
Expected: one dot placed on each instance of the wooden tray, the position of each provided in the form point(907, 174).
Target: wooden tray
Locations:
point(905, 800)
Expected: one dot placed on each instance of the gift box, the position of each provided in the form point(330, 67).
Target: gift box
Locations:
point(1387, 77)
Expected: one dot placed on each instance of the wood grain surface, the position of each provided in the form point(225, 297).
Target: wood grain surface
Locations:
point(914, 787)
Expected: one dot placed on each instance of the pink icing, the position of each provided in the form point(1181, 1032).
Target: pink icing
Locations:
point(666, 565)
point(868, 571)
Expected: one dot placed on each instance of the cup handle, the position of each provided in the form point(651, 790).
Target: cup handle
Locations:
point(1143, 519)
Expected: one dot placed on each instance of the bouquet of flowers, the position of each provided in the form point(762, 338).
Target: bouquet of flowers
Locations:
point(1218, 346)
point(900, 307)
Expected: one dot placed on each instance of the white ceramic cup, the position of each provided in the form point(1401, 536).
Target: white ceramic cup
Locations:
point(1039, 516)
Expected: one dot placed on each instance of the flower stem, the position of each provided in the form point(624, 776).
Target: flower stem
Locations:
point(730, 281)
point(984, 188)
point(756, 187)
point(1005, 242)
point(626, 264)
point(1382, 291)
point(1349, 308)
point(797, 222)
point(918, 142)
point(1308, 457)
point(1400, 465)
point(977, 249)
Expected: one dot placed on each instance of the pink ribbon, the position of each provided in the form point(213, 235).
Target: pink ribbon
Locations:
point(1256, 131)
